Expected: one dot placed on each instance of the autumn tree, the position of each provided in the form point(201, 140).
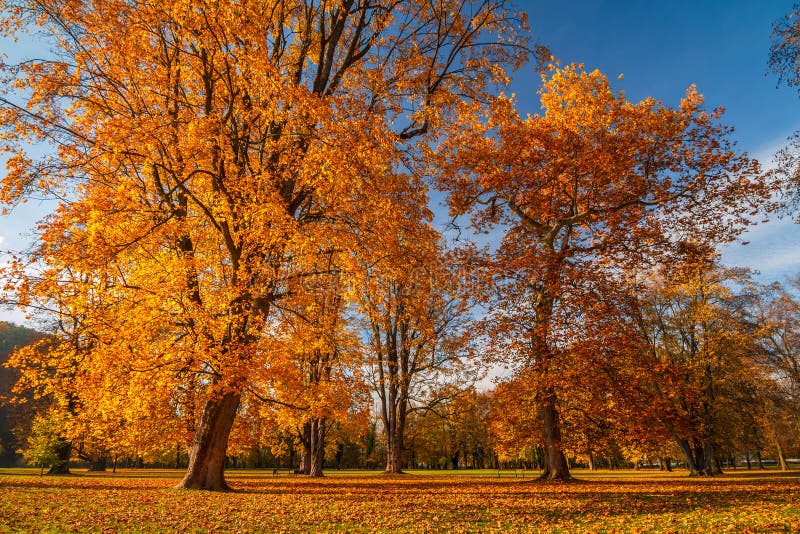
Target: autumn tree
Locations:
point(600, 407)
point(593, 184)
point(512, 419)
point(415, 319)
point(328, 363)
point(454, 433)
point(203, 151)
point(779, 318)
point(466, 418)
point(783, 61)
point(702, 344)
point(44, 442)
point(119, 410)
point(314, 380)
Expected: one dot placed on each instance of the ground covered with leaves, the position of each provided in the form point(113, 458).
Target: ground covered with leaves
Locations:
point(144, 501)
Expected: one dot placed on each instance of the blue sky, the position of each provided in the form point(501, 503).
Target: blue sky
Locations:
point(661, 48)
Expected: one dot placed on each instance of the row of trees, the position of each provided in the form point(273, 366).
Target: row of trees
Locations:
point(244, 242)
point(713, 381)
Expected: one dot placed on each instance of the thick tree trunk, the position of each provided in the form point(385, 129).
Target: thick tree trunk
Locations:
point(712, 464)
point(317, 448)
point(688, 455)
point(395, 430)
point(699, 458)
point(665, 464)
point(206, 469)
point(64, 451)
point(591, 462)
point(555, 463)
point(717, 466)
point(393, 454)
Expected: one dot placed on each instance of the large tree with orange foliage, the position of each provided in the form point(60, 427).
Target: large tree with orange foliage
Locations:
point(700, 346)
point(204, 151)
point(592, 185)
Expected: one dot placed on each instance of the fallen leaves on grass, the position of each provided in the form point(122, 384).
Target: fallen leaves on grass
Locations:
point(126, 503)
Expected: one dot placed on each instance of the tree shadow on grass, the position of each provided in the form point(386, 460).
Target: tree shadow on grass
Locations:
point(554, 502)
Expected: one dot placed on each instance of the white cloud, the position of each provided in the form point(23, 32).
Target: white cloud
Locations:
point(15, 316)
point(773, 249)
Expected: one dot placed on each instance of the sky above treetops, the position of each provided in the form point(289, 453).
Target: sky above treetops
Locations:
point(660, 48)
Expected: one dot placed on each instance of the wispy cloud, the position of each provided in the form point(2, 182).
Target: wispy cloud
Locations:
point(773, 249)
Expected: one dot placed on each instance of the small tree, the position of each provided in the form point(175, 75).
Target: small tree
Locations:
point(44, 441)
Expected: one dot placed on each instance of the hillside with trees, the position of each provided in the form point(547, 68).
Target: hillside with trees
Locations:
point(15, 419)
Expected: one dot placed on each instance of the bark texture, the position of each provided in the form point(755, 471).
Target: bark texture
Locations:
point(207, 454)
point(317, 447)
point(555, 462)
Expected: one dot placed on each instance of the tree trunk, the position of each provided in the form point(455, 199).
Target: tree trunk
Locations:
point(717, 466)
point(292, 454)
point(591, 462)
point(699, 458)
point(64, 451)
point(555, 463)
point(712, 464)
point(317, 449)
point(98, 464)
point(206, 469)
point(688, 455)
point(454, 459)
point(305, 455)
point(393, 453)
point(781, 457)
point(395, 427)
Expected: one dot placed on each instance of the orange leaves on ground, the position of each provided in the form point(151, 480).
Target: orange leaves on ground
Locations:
point(143, 501)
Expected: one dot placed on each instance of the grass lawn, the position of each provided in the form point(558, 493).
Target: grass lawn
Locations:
point(137, 500)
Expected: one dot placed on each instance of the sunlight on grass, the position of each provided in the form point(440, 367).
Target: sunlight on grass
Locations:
point(136, 500)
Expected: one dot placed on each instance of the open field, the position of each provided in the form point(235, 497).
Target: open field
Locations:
point(473, 501)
